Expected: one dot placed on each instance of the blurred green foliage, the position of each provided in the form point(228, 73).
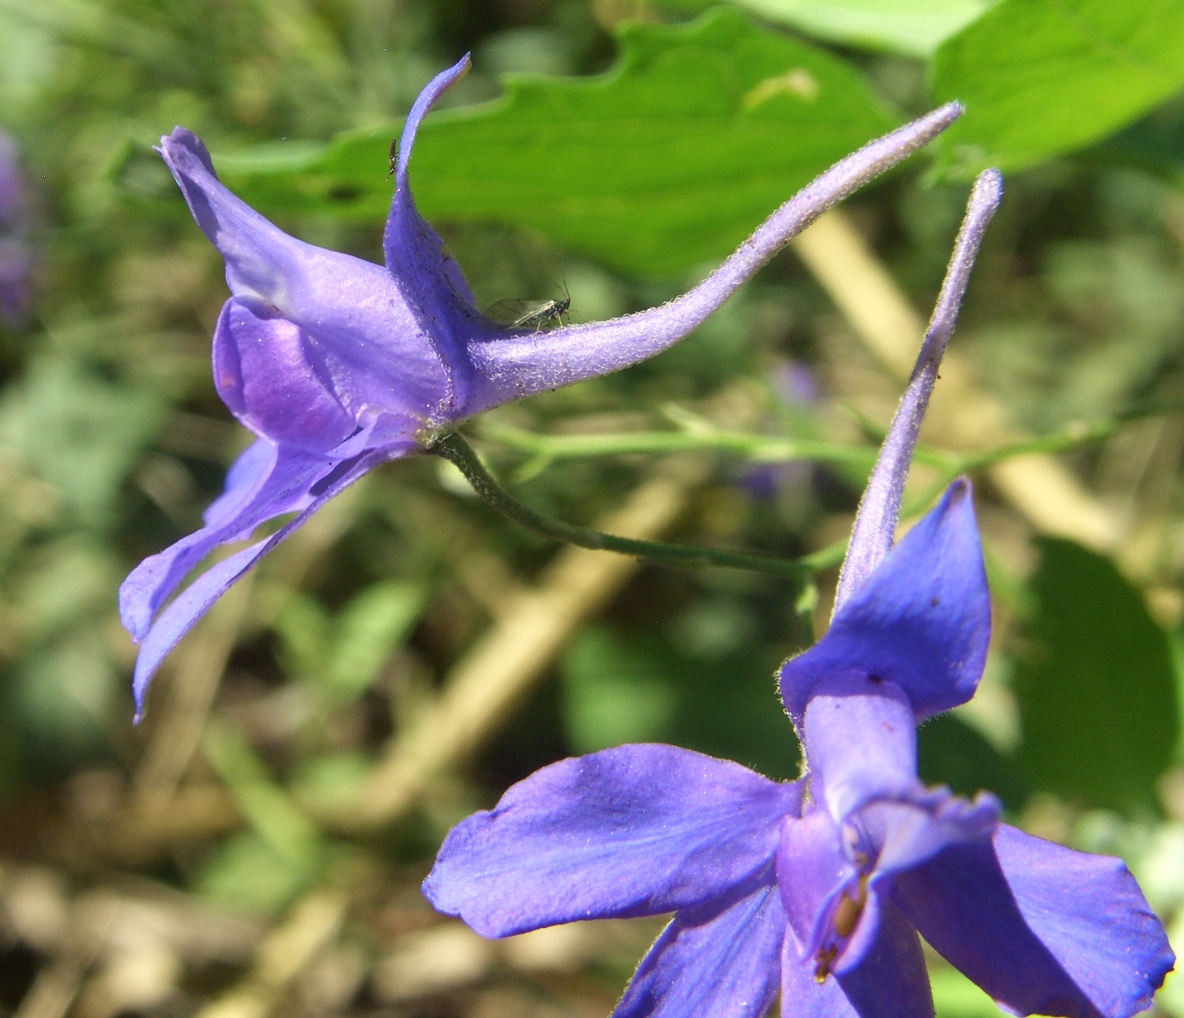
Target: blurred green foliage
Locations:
point(1095, 682)
point(619, 155)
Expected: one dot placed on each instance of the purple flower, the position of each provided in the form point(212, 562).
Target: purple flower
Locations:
point(16, 259)
point(820, 888)
point(337, 364)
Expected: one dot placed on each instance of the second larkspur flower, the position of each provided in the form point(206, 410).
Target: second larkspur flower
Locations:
point(821, 888)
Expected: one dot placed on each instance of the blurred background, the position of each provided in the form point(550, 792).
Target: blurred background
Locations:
point(256, 844)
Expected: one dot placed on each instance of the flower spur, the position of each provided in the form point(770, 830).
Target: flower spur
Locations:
point(820, 888)
point(337, 364)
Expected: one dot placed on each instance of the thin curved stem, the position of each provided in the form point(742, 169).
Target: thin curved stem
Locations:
point(458, 452)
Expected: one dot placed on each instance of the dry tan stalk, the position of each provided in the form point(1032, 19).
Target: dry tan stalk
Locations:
point(1040, 487)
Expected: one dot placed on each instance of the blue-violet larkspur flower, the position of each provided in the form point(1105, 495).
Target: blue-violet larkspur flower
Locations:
point(821, 887)
point(337, 364)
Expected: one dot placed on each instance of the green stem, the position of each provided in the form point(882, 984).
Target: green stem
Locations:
point(458, 452)
point(758, 448)
point(767, 449)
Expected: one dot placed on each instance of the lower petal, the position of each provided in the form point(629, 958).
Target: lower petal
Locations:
point(1041, 928)
point(264, 482)
point(889, 982)
point(636, 830)
point(719, 963)
point(182, 614)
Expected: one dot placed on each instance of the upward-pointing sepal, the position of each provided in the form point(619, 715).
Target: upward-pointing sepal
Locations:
point(922, 619)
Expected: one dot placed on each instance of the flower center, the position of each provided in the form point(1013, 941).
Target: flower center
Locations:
point(846, 917)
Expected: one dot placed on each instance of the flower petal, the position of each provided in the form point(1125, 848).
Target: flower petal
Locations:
point(349, 306)
point(432, 282)
point(1041, 928)
point(833, 876)
point(275, 381)
point(264, 482)
point(709, 962)
point(889, 982)
point(922, 620)
point(812, 872)
point(860, 741)
point(510, 368)
point(182, 614)
point(636, 830)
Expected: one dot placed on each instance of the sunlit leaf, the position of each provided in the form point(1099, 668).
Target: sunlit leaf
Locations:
point(909, 27)
point(1042, 78)
point(666, 161)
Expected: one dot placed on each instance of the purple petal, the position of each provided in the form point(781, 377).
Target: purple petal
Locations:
point(889, 982)
point(909, 831)
point(275, 381)
point(432, 283)
point(813, 872)
point(860, 741)
point(636, 830)
point(1041, 928)
point(875, 523)
point(265, 482)
point(510, 368)
point(922, 620)
point(252, 465)
point(833, 875)
point(709, 962)
point(347, 307)
point(182, 614)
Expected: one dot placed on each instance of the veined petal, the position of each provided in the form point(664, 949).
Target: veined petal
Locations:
point(922, 620)
point(636, 830)
point(512, 367)
point(712, 962)
point(889, 982)
point(182, 614)
point(349, 306)
point(1042, 928)
point(271, 378)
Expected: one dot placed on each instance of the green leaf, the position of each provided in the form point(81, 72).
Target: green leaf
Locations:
point(912, 28)
point(950, 752)
point(955, 996)
point(722, 700)
point(665, 162)
point(1040, 78)
point(614, 693)
point(371, 626)
point(1095, 683)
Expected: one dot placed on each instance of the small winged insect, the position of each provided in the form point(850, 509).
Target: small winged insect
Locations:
point(530, 314)
point(393, 157)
